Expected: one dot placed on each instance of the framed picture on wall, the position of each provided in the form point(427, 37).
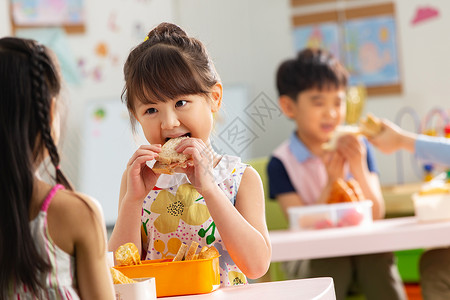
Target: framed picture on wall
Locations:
point(324, 35)
point(371, 51)
point(68, 14)
point(363, 38)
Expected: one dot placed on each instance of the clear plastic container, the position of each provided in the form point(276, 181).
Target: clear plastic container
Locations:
point(331, 215)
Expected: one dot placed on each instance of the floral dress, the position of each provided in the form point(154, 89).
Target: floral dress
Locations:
point(174, 213)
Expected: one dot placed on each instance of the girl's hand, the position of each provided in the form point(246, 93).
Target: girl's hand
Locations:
point(140, 178)
point(200, 169)
point(352, 149)
point(334, 164)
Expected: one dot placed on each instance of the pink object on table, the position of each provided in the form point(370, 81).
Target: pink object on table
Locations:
point(351, 217)
point(423, 14)
point(322, 224)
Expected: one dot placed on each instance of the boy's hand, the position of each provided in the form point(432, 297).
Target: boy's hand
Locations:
point(334, 164)
point(353, 151)
point(140, 178)
point(200, 170)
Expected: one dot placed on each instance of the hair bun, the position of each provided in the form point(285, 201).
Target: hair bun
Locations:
point(166, 29)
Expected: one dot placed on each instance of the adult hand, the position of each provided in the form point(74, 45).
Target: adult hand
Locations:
point(392, 138)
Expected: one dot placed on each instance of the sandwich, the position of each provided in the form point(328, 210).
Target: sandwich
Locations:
point(370, 126)
point(169, 159)
point(340, 131)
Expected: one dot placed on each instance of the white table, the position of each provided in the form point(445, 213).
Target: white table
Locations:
point(300, 289)
point(382, 236)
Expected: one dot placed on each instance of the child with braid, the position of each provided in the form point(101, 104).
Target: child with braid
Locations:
point(52, 240)
point(172, 90)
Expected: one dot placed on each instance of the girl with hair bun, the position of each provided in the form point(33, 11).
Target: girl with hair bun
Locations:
point(173, 90)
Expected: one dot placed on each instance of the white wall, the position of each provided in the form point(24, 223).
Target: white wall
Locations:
point(120, 38)
point(114, 23)
point(248, 39)
point(5, 25)
point(119, 41)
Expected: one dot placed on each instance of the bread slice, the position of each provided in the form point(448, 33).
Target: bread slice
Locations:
point(181, 252)
point(168, 155)
point(208, 253)
point(169, 159)
point(340, 131)
point(191, 252)
point(370, 126)
point(204, 248)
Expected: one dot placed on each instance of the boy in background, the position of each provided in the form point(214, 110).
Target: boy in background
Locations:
point(312, 93)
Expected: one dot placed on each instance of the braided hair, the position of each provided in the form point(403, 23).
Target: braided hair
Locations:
point(29, 80)
point(167, 64)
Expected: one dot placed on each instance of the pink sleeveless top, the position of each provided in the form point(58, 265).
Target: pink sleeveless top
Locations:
point(308, 177)
point(60, 282)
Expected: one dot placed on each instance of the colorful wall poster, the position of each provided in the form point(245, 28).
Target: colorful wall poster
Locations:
point(322, 35)
point(371, 51)
point(47, 12)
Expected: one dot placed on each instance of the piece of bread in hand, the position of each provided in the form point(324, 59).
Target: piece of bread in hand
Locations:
point(370, 126)
point(119, 278)
point(169, 159)
point(340, 131)
point(127, 255)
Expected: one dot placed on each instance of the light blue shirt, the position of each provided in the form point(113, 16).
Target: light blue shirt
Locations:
point(433, 149)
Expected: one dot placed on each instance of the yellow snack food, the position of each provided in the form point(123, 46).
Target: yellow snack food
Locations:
point(119, 277)
point(209, 253)
point(185, 253)
point(180, 253)
point(191, 252)
point(370, 126)
point(127, 254)
point(433, 190)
